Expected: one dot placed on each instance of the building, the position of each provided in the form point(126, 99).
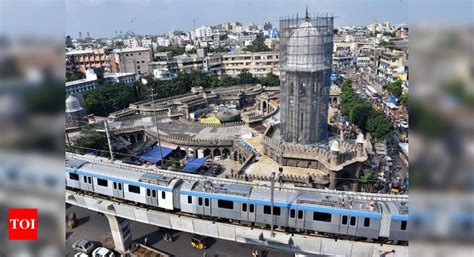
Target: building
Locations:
point(131, 60)
point(74, 112)
point(202, 33)
point(273, 43)
point(257, 63)
point(391, 64)
point(305, 70)
point(82, 60)
point(130, 42)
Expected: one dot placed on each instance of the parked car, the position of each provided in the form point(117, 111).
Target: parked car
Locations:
point(102, 252)
point(81, 255)
point(84, 246)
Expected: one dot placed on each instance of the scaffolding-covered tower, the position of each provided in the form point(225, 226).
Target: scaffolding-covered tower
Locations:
point(306, 46)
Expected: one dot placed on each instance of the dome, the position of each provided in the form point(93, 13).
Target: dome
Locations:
point(360, 138)
point(306, 48)
point(72, 104)
point(335, 146)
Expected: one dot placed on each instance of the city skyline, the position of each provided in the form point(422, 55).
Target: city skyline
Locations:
point(158, 17)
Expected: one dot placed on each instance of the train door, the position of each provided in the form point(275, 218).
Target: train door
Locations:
point(252, 212)
point(118, 190)
point(299, 219)
point(86, 183)
point(343, 224)
point(292, 218)
point(207, 206)
point(244, 212)
point(352, 229)
point(199, 205)
point(151, 197)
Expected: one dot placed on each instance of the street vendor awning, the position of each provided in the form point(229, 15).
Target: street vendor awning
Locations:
point(154, 155)
point(194, 164)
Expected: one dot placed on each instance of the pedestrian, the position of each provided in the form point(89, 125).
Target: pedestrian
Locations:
point(146, 240)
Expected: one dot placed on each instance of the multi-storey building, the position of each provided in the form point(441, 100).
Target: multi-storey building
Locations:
point(257, 63)
point(131, 60)
point(389, 64)
point(82, 60)
point(130, 42)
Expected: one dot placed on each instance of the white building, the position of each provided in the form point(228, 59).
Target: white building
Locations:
point(202, 32)
point(146, 42)
point(130, 42)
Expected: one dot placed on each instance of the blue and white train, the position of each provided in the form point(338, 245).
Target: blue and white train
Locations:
point(294, 210)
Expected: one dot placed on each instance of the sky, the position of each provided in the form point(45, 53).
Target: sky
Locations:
point(101, 18)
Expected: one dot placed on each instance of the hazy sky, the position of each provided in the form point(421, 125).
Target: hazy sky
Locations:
point(102, 18)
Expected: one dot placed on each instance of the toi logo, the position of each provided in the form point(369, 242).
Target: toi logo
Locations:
point(23, 224)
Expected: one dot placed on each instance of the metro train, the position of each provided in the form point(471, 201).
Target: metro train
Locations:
point(294, 210)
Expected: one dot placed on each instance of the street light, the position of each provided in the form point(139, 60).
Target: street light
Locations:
point(156, 124)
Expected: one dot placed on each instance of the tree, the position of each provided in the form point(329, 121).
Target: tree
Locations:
point(91, 140)
point(360, 114)
point(404, 99)
point(74, 76)
point(109, 98)
point(176, 50)
point(270, 80)
point(246, 77)
point(258, 45)
point(395, 88)
point(366, 176)
point(379, 125)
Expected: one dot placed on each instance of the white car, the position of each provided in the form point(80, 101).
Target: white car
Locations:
point(102, 252)
point(404, 124)
point(81, 255)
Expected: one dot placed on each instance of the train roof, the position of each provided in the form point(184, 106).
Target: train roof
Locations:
point(335, 201)
point(279, 196)
point(158, 179)
point(225, 189)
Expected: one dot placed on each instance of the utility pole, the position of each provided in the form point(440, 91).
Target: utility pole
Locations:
point(108, 140)
point(272, 203)
point(156, 124)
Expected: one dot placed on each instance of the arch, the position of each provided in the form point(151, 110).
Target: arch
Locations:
point(225, 152)
point(264, 106)
point(133, 139)
point(302, 89)
point(292, 89)
point(207, 152)
point(216, 152)
point(236, 156)
point(190, 152)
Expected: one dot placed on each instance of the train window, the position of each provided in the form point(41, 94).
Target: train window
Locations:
point(147, 192)
point(73, 176)
point(163, 195)
point(115, 185)
point(133, 189)
point(366, 222)
point(102, 182)
point(267, 210)
point(225, 204)
point(200, 201)
point(292, 213)
point(344, 220)
point(353, 221)
point(251, 208)
point(206, 201)
point(120, 186)
point(85, 179)
point(300, 214)
point(404, 225)
point(89, 179)
point(153, 193)
point(190, 199)
point(244, 207)
point(322, 216)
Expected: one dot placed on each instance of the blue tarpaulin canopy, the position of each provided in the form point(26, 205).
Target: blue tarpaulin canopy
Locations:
point(194, 164)
point(154, 155)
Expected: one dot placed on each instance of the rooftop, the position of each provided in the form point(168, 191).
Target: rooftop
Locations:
point(128, 50)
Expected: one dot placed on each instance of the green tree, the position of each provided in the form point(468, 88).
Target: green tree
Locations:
point(258, 45)
point(360, 114)
point(395, 88)
point(74, 76)
point(91, 140)
point(109, 98)
point(404, 99)
point(176, 50)
point(379, 125)
point(246, 77)
point(366, 176)
point(270, 80)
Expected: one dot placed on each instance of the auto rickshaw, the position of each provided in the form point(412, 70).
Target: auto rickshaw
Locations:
point(71, 220)
point(198, 243)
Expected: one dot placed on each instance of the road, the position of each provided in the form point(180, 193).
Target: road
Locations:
point(95, 227)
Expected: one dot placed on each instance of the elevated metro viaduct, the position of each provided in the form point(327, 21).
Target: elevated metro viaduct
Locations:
point(116, 212)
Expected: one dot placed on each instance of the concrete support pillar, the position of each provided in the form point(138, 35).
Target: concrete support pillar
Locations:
point(332, 180)
point(120, 232)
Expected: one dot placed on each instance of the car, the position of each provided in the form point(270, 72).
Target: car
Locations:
point(81, 255)
point(404, 124)
point(102, 252)
point(84, 246)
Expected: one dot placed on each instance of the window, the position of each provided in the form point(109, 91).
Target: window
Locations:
point(353, 221)
point(344, 220)
point(120, 186)
point(302, 89)
point(190, 199)
point(85, 179)
point(139, 53)
point(300, 214)
point(163, 195)
point(133, 189)
point(147, 192)
point(292, 89)
point(244, 207)
point(73, 176)
point(251, 208)
point(138, 61)
point(322, 216)
point(206, 201)
point(267, 210)
point(225, 204)
point(143, 61)
point(404, 225)
point(153, 193)
point(292, 213)
point(200, 201)
point(90, 180)
point(102, 182)
point(115, 185)
point(138, 66)
point(366, 222)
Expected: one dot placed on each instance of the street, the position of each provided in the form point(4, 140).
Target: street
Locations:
point(95, 227)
